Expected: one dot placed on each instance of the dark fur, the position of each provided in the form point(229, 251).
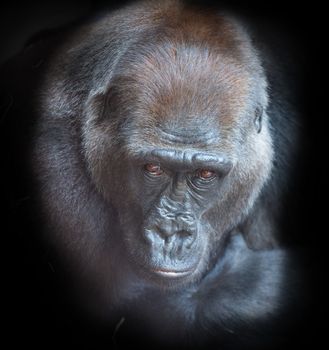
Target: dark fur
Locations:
point(108, 94)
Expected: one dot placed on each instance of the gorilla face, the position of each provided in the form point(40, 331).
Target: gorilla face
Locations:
point(175, 189)
point(179, 144)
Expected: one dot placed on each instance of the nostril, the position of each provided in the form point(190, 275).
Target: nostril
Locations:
point(184, 233)
point(163, 232)
point(170, 233)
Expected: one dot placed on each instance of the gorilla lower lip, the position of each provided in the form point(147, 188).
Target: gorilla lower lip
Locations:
point(172, 273)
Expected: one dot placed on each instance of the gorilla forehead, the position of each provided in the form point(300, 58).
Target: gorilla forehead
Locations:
point(183, 94)
point(188, 83)
point(183, 87)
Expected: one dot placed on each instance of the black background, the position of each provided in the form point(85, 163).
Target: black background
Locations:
point(33, 316)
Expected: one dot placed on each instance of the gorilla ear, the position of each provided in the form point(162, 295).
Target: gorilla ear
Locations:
point(258, 118)
point(100, 106)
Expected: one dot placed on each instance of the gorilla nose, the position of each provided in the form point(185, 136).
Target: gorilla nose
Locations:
point(174, 229)
point(170, 232)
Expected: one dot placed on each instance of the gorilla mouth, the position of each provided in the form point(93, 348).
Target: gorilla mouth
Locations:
point(173, 273)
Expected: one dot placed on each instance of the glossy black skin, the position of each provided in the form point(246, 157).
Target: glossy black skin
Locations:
point(167, 253)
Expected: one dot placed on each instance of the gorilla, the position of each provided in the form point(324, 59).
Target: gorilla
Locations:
point(162, 150)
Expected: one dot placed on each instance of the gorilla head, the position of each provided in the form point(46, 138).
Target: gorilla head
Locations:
point(174, 143)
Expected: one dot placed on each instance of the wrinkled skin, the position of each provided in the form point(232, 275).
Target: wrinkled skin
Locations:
point(154, 159)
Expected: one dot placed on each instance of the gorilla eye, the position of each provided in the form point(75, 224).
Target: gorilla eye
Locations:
point(206, 174)
point(153, 169)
